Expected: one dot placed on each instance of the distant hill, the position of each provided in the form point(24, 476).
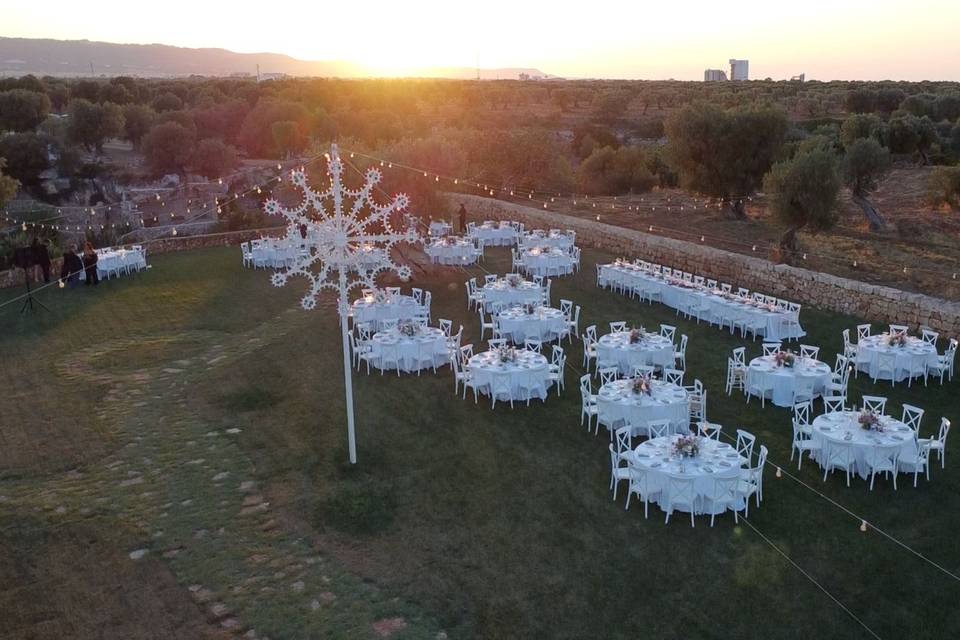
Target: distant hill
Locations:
point(19, 56)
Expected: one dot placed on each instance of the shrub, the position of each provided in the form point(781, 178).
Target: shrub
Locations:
point(943, 186)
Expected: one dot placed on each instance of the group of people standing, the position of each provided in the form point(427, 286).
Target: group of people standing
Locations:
point(73, 264)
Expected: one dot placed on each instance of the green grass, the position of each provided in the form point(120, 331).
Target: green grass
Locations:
point(483, 523)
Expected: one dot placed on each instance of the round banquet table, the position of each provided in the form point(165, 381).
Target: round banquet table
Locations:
point(503, 293)
point(460, 252)
point(526, 378)
point(543, 239)
point(653, 349)
point(543, 262)
point(843, 428)
point(430, 342)
point(545, 324)
point(438, 229)
point(504, 234)
point(394, 307)
point(784, 380)
point(616, 403)
point(911, 360)
point(716, 460)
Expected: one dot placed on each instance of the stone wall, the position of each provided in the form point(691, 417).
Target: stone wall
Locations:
point(14, 277)
point(871, 302)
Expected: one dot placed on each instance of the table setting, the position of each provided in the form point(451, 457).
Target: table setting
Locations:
point(544, 261)
point(532, 321)
point(636, 347)
point(911, 355)
point(552, 239)
point(413, 344)
point(784, 371)
point(640, 400)
point(693, 457)
point(451, 250)
point(511, 374)
point(511, 291)
point(380, 306)
point(863, 431)
point(494, 234)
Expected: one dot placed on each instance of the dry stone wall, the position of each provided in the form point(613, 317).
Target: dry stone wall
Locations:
point(871, 302)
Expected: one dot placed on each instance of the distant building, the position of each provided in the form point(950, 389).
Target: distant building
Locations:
point(800, 78)
point(714, 75)
point(739, 69)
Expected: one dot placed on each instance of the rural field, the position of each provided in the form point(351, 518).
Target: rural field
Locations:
point(174, 465)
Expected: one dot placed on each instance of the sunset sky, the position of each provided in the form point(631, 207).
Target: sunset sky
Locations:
point(839, 39)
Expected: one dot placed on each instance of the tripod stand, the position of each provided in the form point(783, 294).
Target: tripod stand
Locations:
point(30, 299)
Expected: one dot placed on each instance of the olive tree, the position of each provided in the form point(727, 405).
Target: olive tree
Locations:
point(864, 164)
point(803, 193)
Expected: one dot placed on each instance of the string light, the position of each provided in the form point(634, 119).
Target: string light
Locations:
point(863, 526)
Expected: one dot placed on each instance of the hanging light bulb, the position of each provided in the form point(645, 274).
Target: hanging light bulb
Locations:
point(456, 181)
point(753, 248)
point(863, 526)
point(258, 190)
point(702, 238)
point(279, 167)
point(854, 263)
point(779, 474)
point(174, 232)
point(24, 226)
point(219, 180)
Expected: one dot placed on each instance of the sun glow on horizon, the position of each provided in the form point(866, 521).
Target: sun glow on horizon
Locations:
point(858, 39)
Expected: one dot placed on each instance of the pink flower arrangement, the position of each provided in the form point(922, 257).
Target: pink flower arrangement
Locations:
point(641, 384)
point(869, 421)
point(687, 447)
point(784, 359)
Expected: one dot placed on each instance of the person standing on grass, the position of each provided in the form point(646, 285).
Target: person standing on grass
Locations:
point(90, 263)
point(462, 219)
point(72, 266)
point(41, 257)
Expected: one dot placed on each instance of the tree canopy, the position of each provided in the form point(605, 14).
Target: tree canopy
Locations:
point(864, 164)
point(168, 148)
point(22, 110)
point(91, 124)
point(803, 193)
point(724, 153)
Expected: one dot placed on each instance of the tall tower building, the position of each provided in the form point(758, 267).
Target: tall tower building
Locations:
point(739, 69)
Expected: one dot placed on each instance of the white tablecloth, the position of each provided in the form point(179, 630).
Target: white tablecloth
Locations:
point(784, 380)
point(842, 427)
point(109, 259)
point(776, 324)
point(616, 402)
point(431, 341)
point(500, 292)
point(525, 378)
point(502, 235)
point(547, 262)
point(544, 239)
point(653, 349)
point(461, 252)
point(395, 307)
point(911, 360)
point(544, 323)
point(438, 229)
point(716, 460)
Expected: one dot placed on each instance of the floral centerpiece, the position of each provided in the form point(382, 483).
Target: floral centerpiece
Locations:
point(687, 447)
point(870, 421)
point(380, 296)
point(785, 359)
point(513, 280)
point(408, 328)
point(897, 340)
point(449, 241)
point(506, 354)
point(529, 308)
point(636, 335)
point(641, 384)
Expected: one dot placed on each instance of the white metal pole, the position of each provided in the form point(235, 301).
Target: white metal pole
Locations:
point(347, 369)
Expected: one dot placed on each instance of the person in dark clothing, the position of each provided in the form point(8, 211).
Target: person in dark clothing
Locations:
point(42, 257)
point(72, 266)
point(90, 264)
point(462, 217)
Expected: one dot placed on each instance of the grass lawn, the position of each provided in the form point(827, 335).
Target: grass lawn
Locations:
point(125, 406)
